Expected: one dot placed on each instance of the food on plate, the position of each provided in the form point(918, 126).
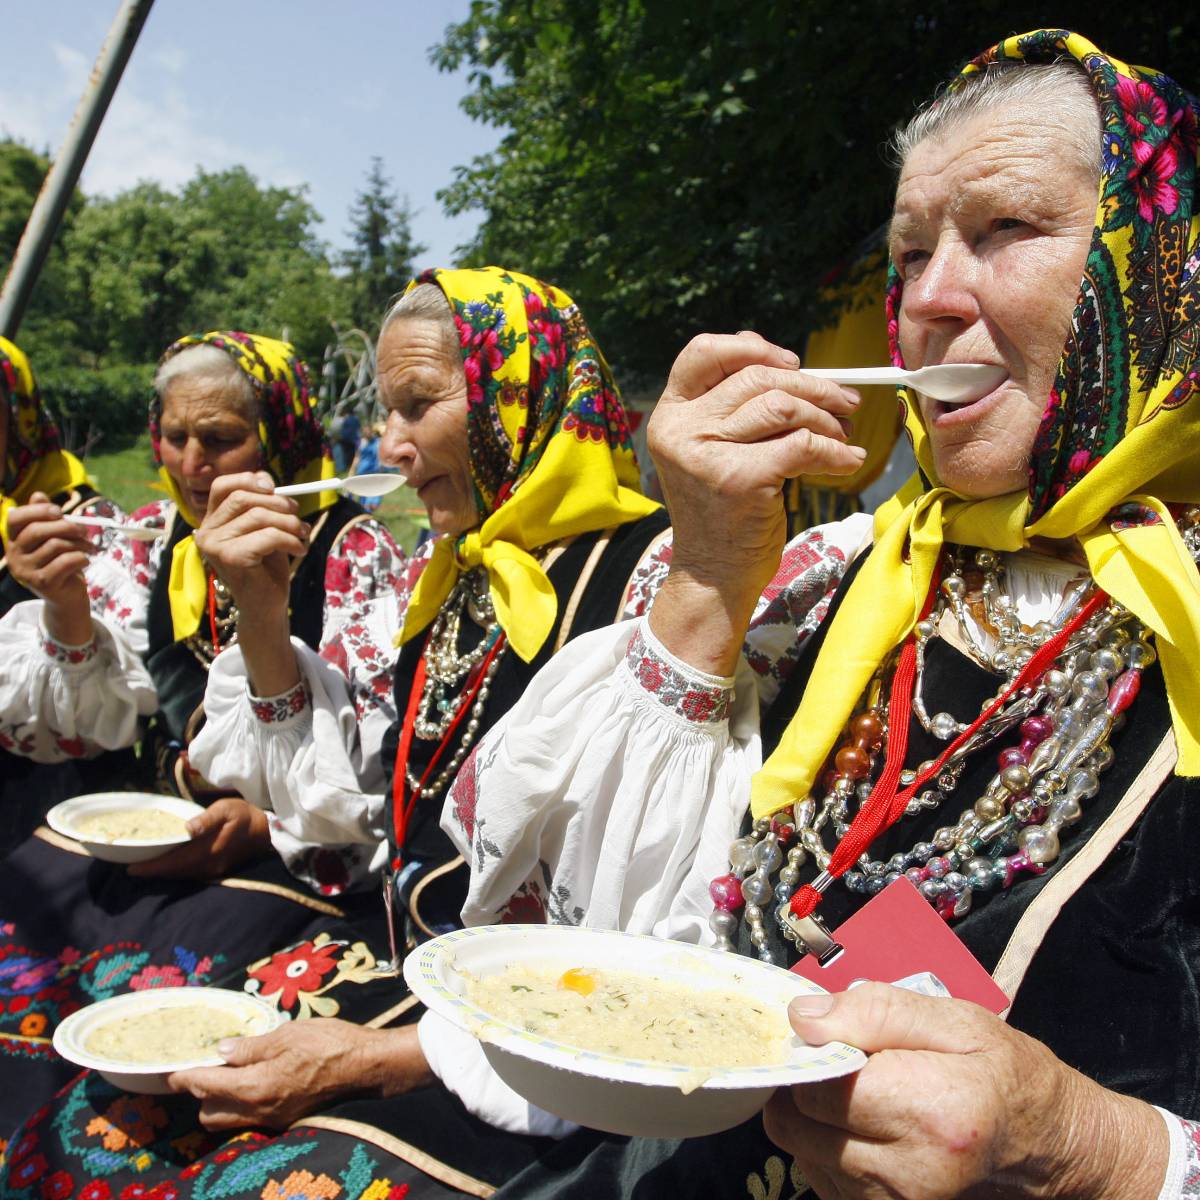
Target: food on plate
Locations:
point(131, 825)
point(636, 1016)
point(170, 1034)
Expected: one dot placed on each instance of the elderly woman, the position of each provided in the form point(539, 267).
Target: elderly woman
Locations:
point(35, 468)
point(984, 701)
point(132, 635)
point(504, 416)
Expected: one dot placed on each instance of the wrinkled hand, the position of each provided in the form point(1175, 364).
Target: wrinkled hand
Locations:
point(737, 420)
point(953, 1102)
point(48, 554)
point(226, 834)
point(295, 1070)
point(249, 537)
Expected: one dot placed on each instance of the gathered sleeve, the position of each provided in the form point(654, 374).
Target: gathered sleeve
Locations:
point(59, 701)
point(609, 794)
point(311, 757)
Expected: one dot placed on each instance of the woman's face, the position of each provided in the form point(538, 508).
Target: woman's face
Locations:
point(424, 389)
point(991, 230)
point(206, 432)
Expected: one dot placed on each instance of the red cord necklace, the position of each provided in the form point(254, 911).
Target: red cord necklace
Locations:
point(402, 802)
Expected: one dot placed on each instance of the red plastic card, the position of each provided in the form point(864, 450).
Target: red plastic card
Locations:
point(896, 934)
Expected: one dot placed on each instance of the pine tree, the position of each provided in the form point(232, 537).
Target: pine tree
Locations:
point(380, 261)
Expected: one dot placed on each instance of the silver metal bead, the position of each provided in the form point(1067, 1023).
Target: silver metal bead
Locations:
point(943, 726)
point(741, 854)
point(1104, 756)
point(1065, 811)
point(986, 560)
point(767, 855)
point(987, 808)
point(945, 837)
point(1022, 809)
point(925, 630)
point(1090, 687)
point(757, 888)
point(1040, 845)
point(722, 923)
point(758, 937)
point(1140, 654)
point(1056, 682)
point(979, 873)
point(954, 586)
point(1107, 663)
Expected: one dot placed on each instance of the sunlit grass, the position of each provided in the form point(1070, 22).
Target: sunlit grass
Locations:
point(131, 479)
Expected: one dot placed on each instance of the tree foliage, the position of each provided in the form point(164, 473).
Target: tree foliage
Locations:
point(380, 259)
point(681, 165)
point(129, 274)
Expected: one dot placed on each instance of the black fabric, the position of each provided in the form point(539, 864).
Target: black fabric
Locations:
point(427, 847)
point(180, 677)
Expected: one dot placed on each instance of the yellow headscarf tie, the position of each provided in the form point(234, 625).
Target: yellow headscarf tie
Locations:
point(33, 460)
point(1119, 441)
point(551, 455)
point(293, 451)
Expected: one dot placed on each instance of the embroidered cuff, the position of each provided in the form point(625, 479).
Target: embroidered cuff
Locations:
point(68, 656)
point(274, 710)
point(693, 695)
point(1182, 1180)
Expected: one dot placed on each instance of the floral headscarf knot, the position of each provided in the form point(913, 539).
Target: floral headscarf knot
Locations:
point(34, 460)
point(550, 450)
point(1119, 439)
point(293, 445)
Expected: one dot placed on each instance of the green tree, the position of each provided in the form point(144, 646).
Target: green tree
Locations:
point(45, 330)
point(380, 260)
point(680, 166)
point(148, 265)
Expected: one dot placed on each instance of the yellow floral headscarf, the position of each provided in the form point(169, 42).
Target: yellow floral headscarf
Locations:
point(1119, 440)
point(550, 451)
point(33, 460)
point(293, 450)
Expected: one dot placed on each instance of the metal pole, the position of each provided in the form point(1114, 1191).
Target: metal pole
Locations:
point(64, 173)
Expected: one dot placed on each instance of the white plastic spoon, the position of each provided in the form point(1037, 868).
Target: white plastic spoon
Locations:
point(952, 383)
point(138, 533)
point(357, 485)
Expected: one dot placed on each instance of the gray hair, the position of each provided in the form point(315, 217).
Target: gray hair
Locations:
point(426, 302)
point(1007, 83)
point(211, 365)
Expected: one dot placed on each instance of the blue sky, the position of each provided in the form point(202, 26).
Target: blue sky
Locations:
point(299, 91)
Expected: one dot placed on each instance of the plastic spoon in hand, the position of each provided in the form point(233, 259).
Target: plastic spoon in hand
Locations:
point(356, 485)
point(139, 533)
point(952, 383)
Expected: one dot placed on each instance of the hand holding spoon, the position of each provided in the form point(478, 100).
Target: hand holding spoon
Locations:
point(357, 485)
point(952, 383)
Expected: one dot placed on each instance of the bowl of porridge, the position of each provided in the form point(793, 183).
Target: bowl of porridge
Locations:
point(621, 1032)
point(136, 1040)
point(124, 827)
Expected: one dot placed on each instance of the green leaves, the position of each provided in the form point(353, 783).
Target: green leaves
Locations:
point(682, 165)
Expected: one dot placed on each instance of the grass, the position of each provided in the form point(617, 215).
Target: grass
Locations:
point(130, 478)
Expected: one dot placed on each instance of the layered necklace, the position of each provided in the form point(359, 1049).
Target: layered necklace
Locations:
point(1066, 686)
point(453, 680)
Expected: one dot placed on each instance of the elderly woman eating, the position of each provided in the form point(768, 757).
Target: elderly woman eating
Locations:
point(35, 467)
point(131, 635)
point(985, 699)
point(504, 416)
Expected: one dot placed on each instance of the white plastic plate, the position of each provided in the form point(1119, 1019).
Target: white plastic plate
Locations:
point(602, 1091)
